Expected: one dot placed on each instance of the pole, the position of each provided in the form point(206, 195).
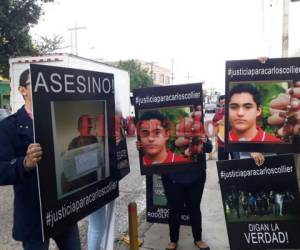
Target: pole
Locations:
point(132, 218)
point(285, 29)
point(172, 74)
point(75, 29)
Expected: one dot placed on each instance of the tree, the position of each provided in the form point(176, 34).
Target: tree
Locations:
point(16, 19)
point(138, 77)
point(46, 45)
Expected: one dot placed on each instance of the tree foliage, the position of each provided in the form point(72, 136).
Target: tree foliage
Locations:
point(46, 45)
point(16, 19)
point(138, 77)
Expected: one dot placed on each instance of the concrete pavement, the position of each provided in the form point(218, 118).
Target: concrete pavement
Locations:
point(156, 236)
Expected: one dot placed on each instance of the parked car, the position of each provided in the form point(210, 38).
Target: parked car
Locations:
point(210, 107)
point(4, 113)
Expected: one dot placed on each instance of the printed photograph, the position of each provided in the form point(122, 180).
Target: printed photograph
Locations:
point(170, 135)
point(261, 112)
point(159, 197)
point(260, 205)
point(80, 144)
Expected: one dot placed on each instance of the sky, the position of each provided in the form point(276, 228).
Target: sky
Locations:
point(195, 36)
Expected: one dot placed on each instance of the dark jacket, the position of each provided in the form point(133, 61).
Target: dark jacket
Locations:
point(16, 133)
point(191, 176)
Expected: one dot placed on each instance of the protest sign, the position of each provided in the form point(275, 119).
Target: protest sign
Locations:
point(261, 204)
point(156, 202)
point(74, 121)
point(263, 105)
point(170, 130)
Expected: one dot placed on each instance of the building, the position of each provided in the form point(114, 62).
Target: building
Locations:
point(161, 76)
point(4, 93)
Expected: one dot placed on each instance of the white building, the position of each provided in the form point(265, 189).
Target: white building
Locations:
point(160, 75)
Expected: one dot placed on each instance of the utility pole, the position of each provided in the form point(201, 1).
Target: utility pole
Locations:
point(75, 29)
point(188, 77)
point(172, 71)
point(285, 29)
point(151, 69)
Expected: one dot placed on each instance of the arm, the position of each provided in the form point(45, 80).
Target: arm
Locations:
point(13, 167)
point(207, 146)
point(219, 115)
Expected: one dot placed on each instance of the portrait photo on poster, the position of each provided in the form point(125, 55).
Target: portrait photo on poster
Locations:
point(262, 111)
point(169, 125)
point(80, 144)
point(170, 136)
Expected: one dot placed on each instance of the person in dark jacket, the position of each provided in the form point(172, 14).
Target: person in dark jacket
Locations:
point(18, 159)
point(186, 188)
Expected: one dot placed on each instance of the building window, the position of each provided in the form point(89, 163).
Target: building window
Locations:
point(167, 80)
point(154, 77)
point(161, 78)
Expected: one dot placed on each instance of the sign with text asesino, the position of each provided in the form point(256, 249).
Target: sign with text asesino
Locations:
point(74, 121)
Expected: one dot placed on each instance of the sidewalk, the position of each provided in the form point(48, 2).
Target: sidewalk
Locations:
point(156, 237)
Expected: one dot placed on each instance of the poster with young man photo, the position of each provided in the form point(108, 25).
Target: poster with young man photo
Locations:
point(262, 111)
point(169, 124)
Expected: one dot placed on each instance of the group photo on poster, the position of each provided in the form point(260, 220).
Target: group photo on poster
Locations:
point(74, 121)
point(261, 204)
point(169, 123)
point(263, 105)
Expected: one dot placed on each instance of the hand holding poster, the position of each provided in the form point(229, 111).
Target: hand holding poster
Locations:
point(261, 204)
point(169, 128)
point(262, 106)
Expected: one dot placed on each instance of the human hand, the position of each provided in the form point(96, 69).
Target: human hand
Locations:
point(33, 156)
point(258, 158)
point(190, 133)
point(285, 112)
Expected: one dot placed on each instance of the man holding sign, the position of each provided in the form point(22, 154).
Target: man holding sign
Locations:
point(18, 159)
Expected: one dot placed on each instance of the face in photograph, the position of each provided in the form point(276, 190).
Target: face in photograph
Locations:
point(243, 114)
point(153, 139)
point(245, 110)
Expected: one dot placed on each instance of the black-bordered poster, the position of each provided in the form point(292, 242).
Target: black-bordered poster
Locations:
point(263, 105)
point(156, 202)
point(169, 124)
point(74, 121)
point(261, 204)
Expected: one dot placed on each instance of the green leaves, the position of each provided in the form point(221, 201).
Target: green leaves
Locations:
point(138, 77)
point(16, 19)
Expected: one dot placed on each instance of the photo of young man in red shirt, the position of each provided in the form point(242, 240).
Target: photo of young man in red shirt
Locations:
point(244, 110)
point(154, 133)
